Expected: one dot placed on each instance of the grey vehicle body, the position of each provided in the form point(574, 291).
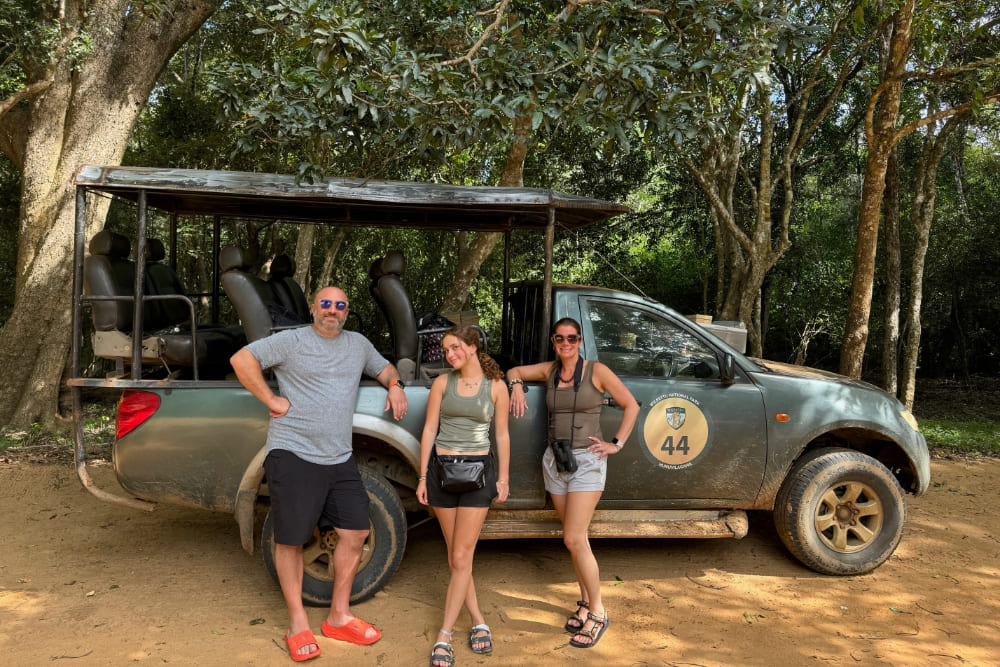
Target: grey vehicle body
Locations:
point(718, 433)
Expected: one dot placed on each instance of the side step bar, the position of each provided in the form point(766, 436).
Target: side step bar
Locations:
point(502, 524)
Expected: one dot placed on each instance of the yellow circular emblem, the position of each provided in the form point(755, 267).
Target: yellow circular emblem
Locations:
point(675, 431)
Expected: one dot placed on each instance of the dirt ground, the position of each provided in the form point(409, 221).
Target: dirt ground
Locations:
point(98, 584)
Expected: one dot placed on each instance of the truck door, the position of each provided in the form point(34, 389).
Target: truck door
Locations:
point(697, 442)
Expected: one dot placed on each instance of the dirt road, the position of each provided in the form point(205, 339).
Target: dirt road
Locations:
point(96, 584)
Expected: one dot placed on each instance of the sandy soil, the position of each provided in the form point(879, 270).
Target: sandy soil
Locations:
point(97, 584)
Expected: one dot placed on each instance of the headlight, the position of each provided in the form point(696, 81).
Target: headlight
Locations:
point(910, 419)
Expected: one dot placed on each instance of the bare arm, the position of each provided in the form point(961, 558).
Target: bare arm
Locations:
point(518, 374)
point(395, 399)
point(500, 418)
point(430, 432)
point(605, 380)
point(251, 376)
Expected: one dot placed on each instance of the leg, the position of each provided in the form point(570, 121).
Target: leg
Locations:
point(461, 527)
point(346, 557)
point(288, 563)
point(579, 617)
point(577, 511)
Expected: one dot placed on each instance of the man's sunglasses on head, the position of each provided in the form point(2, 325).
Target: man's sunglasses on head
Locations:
point(327, 303)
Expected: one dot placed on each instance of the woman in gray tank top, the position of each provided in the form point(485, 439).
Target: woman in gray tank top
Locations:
point(574, 396)
point(460, 409)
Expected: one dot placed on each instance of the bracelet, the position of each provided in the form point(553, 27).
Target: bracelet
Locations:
point(501, 481)
point(515, 382)
point(422, 478)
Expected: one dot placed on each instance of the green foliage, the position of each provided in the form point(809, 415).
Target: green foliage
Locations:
point(427, 80)
point(969, 437)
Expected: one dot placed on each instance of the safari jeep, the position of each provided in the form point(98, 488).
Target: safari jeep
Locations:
point(718, 433)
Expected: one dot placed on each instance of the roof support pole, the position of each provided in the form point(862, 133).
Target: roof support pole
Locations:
point(505, 314)
point(173, 241)
point(140, 271)
point(79, 242)
point(550, 236)
point(216, 248)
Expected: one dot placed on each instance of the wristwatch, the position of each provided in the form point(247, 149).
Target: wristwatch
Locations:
point(396, 383)
point(614, 441)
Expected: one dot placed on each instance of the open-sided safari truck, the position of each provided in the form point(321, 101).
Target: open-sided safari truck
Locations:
point(718, 433)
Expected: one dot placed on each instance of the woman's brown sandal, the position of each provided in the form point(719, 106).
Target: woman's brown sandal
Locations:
point(576, 622)
point(601, 624)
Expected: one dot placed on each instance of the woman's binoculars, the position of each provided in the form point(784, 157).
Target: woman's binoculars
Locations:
point(563, 452)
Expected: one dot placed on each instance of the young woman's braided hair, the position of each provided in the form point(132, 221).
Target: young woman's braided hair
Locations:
point(470, 336)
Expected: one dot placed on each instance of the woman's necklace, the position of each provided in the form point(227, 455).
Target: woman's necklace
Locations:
point(571, 375)
point(470, 384)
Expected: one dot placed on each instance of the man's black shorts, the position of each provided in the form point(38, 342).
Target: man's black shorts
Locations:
point(436, 497)
point(305, 495)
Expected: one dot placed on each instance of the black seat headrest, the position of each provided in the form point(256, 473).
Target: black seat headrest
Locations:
point(282, 266)
point(155, 251)
point(112, 244)
point(392, 264)
point(231, 257)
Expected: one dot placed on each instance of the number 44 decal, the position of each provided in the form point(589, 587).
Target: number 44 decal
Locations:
point(674, 431)
point(681, 447)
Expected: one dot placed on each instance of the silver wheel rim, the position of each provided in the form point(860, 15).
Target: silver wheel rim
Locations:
point(849, 517)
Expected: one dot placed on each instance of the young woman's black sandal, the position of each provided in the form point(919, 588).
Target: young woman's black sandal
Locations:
point(601, 624)
point(576, 622)
point(488, 639)
point(447, 655)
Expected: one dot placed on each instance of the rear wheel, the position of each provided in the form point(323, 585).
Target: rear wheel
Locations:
point(380, 558)
point(840, 512)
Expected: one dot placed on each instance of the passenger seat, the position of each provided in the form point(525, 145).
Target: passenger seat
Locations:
point(288, 292)
point(254, 299)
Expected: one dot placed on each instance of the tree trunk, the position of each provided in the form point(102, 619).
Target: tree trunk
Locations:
point(880, 130)
point(890, 343)
point(303, 256)
point(84, 115)
point(922, 216)
point(472, 255)
point(325, 276)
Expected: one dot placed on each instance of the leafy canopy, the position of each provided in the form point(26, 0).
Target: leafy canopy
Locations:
point(367, 83)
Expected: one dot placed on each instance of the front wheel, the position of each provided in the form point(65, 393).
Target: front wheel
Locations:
point(380, 557)
point(840, 512)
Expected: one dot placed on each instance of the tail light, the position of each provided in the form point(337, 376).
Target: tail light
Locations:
point(134, 408)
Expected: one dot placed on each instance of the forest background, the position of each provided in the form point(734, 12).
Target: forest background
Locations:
point(824, 172)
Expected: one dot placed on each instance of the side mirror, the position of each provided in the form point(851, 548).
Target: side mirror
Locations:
point(728, 370)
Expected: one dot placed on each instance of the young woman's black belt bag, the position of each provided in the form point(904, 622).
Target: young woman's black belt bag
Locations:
point(459, 475)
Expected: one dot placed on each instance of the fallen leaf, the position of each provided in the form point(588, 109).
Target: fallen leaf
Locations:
point(256, 621)
point(899, 611)
point(91, 594)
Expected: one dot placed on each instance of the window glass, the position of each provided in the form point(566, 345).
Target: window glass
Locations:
point(635, 342)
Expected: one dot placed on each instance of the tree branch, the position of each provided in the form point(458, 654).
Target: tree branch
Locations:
point(501, 11)
point(960, 110)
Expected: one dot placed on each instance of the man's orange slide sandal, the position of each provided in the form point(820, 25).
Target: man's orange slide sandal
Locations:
point(304, 638)
point(353, 631)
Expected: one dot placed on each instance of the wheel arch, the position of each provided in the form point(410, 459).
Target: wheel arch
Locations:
point(385, 446)
point(866, 439)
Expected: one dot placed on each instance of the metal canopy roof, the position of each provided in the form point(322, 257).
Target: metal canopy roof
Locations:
point(345, 200)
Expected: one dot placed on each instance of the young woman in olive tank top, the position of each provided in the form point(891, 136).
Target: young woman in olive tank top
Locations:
point(575, 391)
point(460, 408)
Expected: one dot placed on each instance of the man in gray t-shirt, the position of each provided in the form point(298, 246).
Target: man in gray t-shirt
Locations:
point(311, 475)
